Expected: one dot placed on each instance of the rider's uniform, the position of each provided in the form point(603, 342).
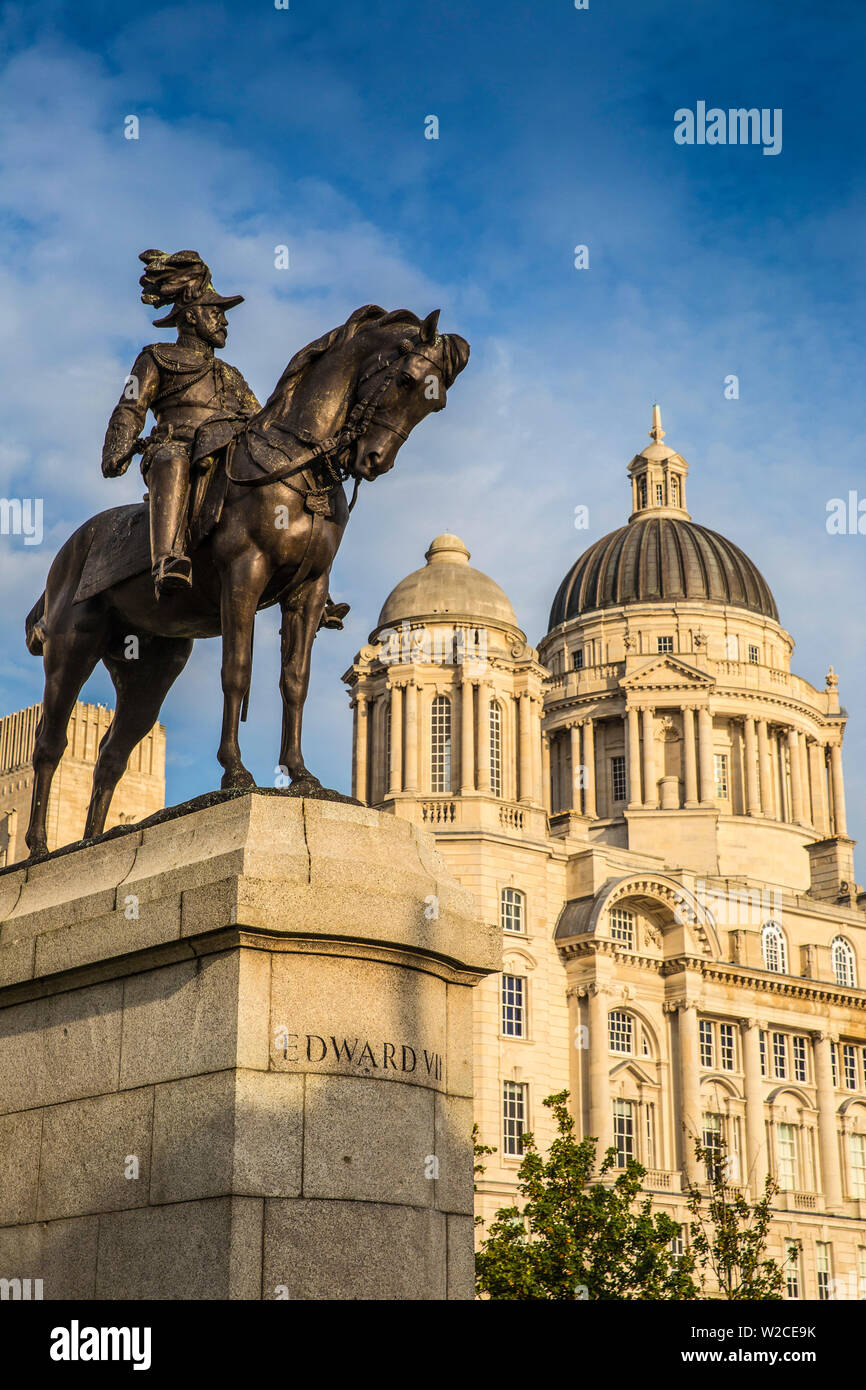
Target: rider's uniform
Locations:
point(199, 403)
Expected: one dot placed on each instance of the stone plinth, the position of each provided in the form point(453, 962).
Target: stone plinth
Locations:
point(236, 1060)
point(831, 864)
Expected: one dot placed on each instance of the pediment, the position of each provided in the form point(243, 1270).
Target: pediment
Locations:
point(667, 672)
point(513, 958)
point(631, 1067)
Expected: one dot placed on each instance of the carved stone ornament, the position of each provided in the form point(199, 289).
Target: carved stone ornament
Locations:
point(667, 731)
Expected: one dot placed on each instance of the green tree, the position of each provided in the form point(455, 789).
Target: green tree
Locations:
point(728, 1235)
point(579, 1238)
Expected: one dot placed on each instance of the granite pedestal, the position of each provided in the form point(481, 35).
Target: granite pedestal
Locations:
point(236, 1060)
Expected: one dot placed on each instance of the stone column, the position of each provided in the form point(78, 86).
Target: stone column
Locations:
point(782, 792)
point(535, 748)
point(756, 1129)
point(705, 756)
point(509, 781)
point(378, 768)
point(359, 788)
point(600, 1107)
point(650, 783)
point(690, 767)
point(805, 781)
point(753, 794)
point(574, 800)
point(690, 1087)
point(566, 780)
point(410, 773)
point(526, 750)
point(817, 777)
point(589, 805)
point(840, 823)
point(547, 799)
point(796, 785)
point(354, 706)
point(828, 1128)
point(395, 781)
point(555, 805)
point(768, 799)
point(467, 737)
point(483, 736)
point(632, 744)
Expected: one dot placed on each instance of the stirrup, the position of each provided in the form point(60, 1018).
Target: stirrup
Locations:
point(174, 572)
point(333, 615)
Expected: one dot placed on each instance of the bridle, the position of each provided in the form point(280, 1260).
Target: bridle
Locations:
point(327, 453)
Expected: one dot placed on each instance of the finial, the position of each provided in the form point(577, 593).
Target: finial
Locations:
point(657, 433)
point(831, 680)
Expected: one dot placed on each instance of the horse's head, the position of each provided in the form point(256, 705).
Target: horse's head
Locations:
point(406, 367)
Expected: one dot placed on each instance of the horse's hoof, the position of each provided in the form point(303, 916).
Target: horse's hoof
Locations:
point(240, 780)
point(37, 853)
point(305, 782)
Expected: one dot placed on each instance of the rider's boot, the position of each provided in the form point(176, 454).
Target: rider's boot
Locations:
point(168, 485)
point(334, 614)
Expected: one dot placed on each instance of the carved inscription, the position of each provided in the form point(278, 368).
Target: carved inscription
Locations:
point(359, 1052)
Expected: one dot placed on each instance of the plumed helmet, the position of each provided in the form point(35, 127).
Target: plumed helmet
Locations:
point(182, 280)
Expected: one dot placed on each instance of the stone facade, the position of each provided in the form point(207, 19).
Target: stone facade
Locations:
point(140, 792)
point(651, 807)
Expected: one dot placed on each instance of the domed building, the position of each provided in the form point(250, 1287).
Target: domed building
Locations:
point(651, 805)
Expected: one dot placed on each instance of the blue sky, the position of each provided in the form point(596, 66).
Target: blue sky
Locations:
point(305, 127)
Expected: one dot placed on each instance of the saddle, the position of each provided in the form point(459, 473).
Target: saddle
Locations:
point(124, 551)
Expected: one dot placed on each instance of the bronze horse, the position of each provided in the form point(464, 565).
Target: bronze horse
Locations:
point(341, 410)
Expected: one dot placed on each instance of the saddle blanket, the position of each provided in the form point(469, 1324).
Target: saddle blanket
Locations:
point(119, 549)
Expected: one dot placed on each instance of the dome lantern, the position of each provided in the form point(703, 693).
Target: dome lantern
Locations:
point(658, 477)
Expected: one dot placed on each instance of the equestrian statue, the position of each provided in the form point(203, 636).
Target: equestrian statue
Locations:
point(245, 509)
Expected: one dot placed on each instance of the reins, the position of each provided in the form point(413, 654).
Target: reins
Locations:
point(328, 450)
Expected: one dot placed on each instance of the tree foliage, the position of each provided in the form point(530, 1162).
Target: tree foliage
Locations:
point(579, 1235)
point(728, 1235)
point(576, 1238)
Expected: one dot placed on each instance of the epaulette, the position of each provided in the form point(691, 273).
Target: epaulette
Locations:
point(173, 357)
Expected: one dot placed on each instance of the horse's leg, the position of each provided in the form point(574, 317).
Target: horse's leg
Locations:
point(141, 687)
point(302, 613)
point(243, 582)
point(69, 659)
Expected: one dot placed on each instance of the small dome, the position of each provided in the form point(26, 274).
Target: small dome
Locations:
point(660, 557)
point(448, 585)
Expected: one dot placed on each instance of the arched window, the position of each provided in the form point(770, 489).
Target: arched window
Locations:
point(844, 962)
point(512, 910)
point(620, 1032)
point(675, 490)
point(622, 926)
point(496, 749)
point(440, 745)
point(641, 492)
point(774, 949)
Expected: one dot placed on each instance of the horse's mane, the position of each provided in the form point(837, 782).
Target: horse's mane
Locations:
point(367, 315)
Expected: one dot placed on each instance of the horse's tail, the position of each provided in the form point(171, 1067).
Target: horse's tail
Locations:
point(34, 627)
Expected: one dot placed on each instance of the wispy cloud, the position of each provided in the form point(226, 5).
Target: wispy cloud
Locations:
point(265, 132)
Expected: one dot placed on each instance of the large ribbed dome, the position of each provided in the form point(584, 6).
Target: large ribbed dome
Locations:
point(661, 557)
